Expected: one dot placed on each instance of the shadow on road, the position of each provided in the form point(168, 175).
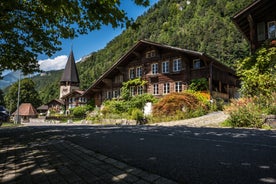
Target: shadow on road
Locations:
point(70, 154)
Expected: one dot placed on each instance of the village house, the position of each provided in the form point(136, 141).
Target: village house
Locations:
point(166, 69)
point(257, 22)
point(25, 111)
point(74, 99)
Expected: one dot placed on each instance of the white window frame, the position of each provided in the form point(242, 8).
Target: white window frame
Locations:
point(132, 90)
point(155, 87)
point(140, 90)
point(154, 68)
point(114, 93)
point(139, 71)
point(165, 67)
point(166, 88)
point(177, 65)
point(273, 33)
point(131, 72)
point(178, 86)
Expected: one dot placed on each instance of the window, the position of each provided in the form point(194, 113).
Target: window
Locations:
point(132, 90)
point(131, 73)
point(154, 68)
point(115, 94)
point(151, 54)
point(177, 65)
point(155, 89)
point(178, 86)
point(139, 71)
point(108, 95)
point(165, 67)
point(166, 88)
point(271, 27)
point(140, 90)
point(197, 63)
point(261, 31)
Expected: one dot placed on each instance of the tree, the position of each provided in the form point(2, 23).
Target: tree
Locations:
point(2, 102)
point(29, 28)
point(257, 73)
point(28, 94)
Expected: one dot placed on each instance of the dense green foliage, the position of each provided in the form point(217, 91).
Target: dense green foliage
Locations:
point(200, 84)
point(203, 25)
point(257, 73)
point(128, 106)
point(2, 102)
point(81, 111)
point(245, 112)
point(28, 94)
point(29, 28)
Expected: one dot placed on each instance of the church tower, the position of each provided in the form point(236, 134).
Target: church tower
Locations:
point(70, 78)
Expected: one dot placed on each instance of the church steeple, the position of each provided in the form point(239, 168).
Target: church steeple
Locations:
point(70, 77)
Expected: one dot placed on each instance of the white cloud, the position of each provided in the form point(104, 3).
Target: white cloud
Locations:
point(57, 63)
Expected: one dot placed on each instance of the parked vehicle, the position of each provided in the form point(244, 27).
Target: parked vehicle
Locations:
point(4, 115)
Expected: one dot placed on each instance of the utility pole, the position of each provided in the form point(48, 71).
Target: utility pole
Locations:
point(18, 99)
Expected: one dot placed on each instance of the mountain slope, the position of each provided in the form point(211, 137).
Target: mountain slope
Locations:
point(201, 25)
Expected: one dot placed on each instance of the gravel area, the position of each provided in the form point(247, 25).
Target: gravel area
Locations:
point(210, 120)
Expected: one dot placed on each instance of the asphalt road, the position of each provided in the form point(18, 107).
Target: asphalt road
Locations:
point(183, 154)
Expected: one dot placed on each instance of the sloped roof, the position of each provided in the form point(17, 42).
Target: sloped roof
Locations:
point(260, 10)
point(141, 44)
point(26, 109)
point(43, 107)
point(59, 101)
point(79, 92)
point(70, 73)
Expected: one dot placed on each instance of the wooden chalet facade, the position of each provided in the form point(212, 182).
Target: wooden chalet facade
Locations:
point(166, 69)
point(257, 22)
point(74, 99)
point(56, 105)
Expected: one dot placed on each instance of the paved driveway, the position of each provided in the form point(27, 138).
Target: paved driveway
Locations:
point(180, 153)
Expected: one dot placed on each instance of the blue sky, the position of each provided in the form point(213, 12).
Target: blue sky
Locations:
point(94, 41)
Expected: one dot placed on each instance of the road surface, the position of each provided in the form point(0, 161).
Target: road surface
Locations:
point(179, 153)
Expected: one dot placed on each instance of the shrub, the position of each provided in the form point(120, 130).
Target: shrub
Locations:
point(173, 103)
point(80, 111)
point(244, 112)
point(137, 115)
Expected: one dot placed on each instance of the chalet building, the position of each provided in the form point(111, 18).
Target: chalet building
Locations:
point(56, 105)
point(257, 22)
point(166, 69)
point(74, 99)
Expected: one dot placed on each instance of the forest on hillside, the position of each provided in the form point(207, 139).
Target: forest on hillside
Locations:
point(200, 25)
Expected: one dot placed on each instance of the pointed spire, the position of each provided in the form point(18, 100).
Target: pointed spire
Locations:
point(70, 73)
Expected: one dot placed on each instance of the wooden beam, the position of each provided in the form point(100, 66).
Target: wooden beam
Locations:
point(252, 32)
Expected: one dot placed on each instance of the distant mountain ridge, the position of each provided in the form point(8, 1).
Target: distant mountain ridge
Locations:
point(9, 79)
point(200, 25)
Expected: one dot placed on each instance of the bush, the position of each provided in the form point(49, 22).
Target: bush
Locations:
point(183, 104)
point(123, 108)
point(80, 111)
point(244, 112)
